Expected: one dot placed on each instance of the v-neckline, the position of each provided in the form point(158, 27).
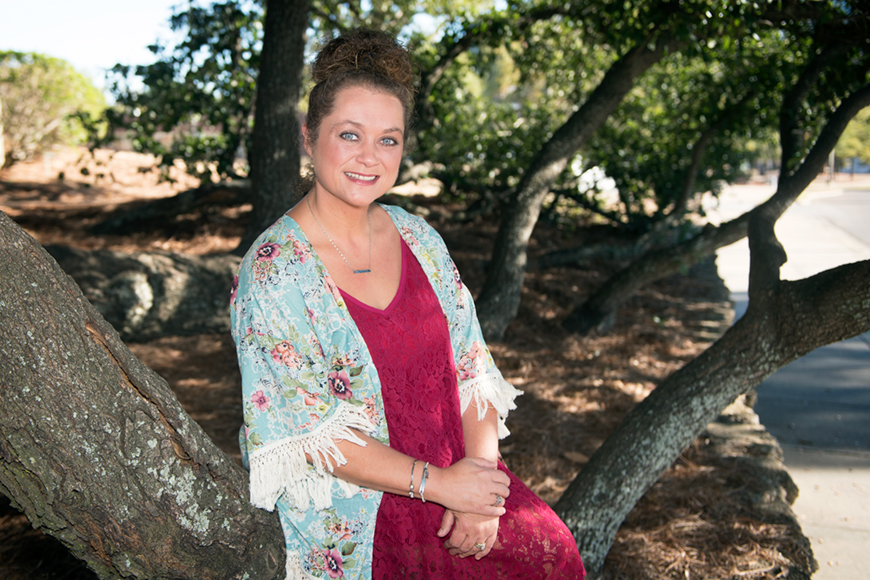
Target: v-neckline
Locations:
point(399, 291)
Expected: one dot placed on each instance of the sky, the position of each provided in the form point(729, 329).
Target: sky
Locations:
point(92, 35)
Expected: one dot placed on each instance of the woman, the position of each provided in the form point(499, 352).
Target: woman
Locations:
point(372, 405)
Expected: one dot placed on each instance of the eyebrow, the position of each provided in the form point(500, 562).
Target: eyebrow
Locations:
point(358, 124)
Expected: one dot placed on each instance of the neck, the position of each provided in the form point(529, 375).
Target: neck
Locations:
point(342, 220)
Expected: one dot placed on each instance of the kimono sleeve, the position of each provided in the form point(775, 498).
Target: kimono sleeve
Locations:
point(294, 410)
point(479, 379)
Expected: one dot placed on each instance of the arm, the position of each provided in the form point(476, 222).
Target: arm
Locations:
point(481, 436)
point(481, 440)
point(468, 485)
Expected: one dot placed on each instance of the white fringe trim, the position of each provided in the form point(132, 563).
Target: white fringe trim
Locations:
point(293, 567)
point(486, 390)
point(281, 468)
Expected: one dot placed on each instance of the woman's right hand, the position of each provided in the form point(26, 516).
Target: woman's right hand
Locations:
point(470, 485)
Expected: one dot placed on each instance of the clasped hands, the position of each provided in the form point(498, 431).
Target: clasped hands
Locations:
point(478, 494)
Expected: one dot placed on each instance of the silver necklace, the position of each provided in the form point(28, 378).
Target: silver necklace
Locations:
point(368, 216)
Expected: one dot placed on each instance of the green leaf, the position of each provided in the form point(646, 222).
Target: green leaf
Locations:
point(347, 548)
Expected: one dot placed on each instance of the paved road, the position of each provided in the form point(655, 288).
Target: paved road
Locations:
point(818, 407)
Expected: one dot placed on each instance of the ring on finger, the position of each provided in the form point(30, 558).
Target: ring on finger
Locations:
point(481, 546)
point(498, 500)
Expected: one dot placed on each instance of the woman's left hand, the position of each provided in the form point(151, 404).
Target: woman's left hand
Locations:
point(468, 531)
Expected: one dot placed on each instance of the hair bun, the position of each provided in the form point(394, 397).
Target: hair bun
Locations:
point(365, 51)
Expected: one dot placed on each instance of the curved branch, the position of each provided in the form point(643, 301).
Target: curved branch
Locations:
point(790, 130)
point(801, 317)
point(500, 298)
point(598, 312)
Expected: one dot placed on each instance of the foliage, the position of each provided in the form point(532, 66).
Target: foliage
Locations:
point(855, 141)
point(501, 101)
point(485, 133)
point(195, 102)
point(522, 70)
point(45, 102)
point(712, 103)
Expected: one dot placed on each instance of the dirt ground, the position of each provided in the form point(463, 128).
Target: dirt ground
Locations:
point(694, 523)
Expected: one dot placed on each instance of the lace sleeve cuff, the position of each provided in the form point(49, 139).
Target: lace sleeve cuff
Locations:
point(486, 390)
point(281, 468)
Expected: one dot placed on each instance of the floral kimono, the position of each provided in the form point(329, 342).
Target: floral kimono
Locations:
point(308, 380)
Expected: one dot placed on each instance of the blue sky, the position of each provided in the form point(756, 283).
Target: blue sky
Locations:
point(92, 35)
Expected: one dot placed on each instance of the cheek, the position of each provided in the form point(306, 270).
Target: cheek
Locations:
point(394, 158)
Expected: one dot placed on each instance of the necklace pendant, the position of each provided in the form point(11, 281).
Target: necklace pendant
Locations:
point(367, 271)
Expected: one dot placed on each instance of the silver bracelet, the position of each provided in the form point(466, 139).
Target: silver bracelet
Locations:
point(411, 491)
point(423, 481)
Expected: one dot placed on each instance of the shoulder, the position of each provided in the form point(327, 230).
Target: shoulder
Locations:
point(402, 217)
point(415, 230)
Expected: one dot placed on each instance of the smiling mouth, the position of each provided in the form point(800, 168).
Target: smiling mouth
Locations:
point(361, 177)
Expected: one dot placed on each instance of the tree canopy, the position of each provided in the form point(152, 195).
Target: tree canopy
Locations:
point(855, 142)
point(44, 101)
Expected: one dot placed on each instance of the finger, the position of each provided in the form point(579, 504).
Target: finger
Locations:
point(491, 511)
point(446, 523)
point(462, 548)
point(483, 462)
point(490, 542)
point(455, 541)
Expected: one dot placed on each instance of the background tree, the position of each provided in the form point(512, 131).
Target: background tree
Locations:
point(818, 71)
point(644, 36)
point(274, 158)
point(195, 102)
point(855, 142)
point(44, 100)
point(784, 321)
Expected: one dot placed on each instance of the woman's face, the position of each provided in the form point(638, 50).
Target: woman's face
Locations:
point(358, 149)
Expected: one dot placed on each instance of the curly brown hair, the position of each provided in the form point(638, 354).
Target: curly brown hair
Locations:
point(360, 57)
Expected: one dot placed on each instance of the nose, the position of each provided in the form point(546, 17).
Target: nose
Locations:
point(367, 153)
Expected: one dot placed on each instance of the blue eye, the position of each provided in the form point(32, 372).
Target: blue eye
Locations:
point(389, 141)
point(348, 136)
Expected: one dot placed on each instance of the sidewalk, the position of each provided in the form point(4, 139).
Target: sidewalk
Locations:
point(818, 406)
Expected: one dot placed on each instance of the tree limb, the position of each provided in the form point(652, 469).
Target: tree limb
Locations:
point(801, 316)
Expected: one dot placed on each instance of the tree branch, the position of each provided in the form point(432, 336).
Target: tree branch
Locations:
point(801, 317)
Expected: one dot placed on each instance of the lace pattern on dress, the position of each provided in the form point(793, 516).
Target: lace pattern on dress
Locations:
point(282, 467)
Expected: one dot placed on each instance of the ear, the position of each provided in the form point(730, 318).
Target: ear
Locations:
point(306, 142)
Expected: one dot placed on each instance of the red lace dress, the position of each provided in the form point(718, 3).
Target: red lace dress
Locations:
point(410, 346)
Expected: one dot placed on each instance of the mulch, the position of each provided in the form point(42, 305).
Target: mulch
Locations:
point(695, 522)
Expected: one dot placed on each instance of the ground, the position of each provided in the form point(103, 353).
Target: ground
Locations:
point(694, 523)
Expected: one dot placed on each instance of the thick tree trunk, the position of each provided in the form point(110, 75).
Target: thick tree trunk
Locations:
point(500, 298)
point(96, 449)
point(148, 295)
point(274, 157)
point(785, 321)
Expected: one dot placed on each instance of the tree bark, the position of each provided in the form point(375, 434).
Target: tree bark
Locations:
point(785, 321)
point(149, 295)
point(499, 300)
point(275, 158)
point(96, 449)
